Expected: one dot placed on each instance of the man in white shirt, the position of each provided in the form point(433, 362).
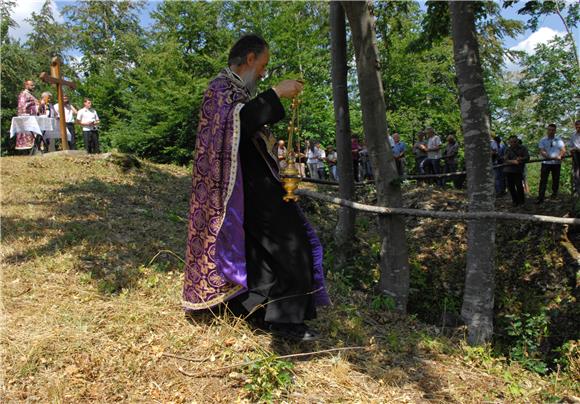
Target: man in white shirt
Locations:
point(331, 159)
point(321, 158)
point(552, 149)
point(574, 145)
point(433, 154)
point(87, 117)
point(69, 117)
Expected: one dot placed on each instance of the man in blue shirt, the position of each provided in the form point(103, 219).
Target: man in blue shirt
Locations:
point(552, 149)
point(399, 154)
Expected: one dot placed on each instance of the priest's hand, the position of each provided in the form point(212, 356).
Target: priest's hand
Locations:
point(288, 88)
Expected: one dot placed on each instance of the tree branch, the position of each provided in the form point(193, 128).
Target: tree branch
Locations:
point(438, 214)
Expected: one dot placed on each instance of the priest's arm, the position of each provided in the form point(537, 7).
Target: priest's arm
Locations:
point(265, 109)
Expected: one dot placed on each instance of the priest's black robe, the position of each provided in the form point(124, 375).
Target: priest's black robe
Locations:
point(279, 260)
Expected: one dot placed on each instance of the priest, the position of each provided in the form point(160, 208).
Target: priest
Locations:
point(245, 245)
point(28, 104)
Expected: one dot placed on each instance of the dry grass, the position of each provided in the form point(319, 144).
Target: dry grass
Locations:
point(87, 317)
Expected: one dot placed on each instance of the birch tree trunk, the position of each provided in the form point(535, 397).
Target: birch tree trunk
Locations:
point(394, 261)
point(345, 230)
point(478, 296)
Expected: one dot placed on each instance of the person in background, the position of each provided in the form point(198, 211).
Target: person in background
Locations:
point(574, 145)
point(87, 117)
point(516, 156)
point(450, 156)
point(70, 113)
point(47, 109)
point(321, 158)
point(399, 154)
point(331, 159)
point(433, 154)
point(281, 154)
point(312, 160)
point(420, 152)
point(525, 173)
point(28, 104)
point(355, 152)
point(390, 140)
point(305, 158)
point(366, 168)
point(300, 161)
point(552, 149)
point(497, 152)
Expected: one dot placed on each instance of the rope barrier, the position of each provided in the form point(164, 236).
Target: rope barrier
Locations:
point(438, 214)
point(415, 177)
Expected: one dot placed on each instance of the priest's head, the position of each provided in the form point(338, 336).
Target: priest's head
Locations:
point(248, 58)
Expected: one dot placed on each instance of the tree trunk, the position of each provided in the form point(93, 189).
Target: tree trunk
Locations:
point(394, 260)
point(344, 232)
point(477, 309)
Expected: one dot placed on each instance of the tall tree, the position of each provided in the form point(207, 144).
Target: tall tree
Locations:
point(48, 38)
point(478, 297)
point(107, 33)
point(110, 39)
point(345, 231)
point(394, 261)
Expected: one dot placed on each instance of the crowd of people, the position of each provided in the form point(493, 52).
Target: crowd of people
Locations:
point(318, 162)
point(510, 164)
point(86, 117)
point(433, 157)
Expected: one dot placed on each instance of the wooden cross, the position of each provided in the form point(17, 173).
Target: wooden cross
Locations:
point(55, 78)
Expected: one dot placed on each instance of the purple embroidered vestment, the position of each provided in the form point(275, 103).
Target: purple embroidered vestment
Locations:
point(215, 268)
point(27, 105)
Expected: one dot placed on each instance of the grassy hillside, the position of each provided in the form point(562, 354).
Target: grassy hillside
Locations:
point(91, 282)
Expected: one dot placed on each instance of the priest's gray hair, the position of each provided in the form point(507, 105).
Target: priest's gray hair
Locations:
point(46, 94)
point(247, 44)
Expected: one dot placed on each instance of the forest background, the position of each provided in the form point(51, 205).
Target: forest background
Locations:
point(146, 82)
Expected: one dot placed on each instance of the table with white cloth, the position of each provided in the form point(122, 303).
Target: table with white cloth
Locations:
point(47, 127)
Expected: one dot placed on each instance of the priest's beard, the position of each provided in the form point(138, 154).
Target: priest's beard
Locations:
point(250, 81)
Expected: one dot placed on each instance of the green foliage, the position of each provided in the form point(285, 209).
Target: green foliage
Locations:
point(383, 302)
point(536, 10)
point(161, 108)
point(48, 38)
point(419, 86)
point(528, 332)
point(268, 379)
point(107, 33)
point(551, 79)
point(569, 356)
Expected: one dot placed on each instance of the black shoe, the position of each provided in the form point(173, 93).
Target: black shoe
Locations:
point(539, 201)
point(554, 196)
point(295, 332)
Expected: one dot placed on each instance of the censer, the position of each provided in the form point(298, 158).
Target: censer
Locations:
point(290, 174)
